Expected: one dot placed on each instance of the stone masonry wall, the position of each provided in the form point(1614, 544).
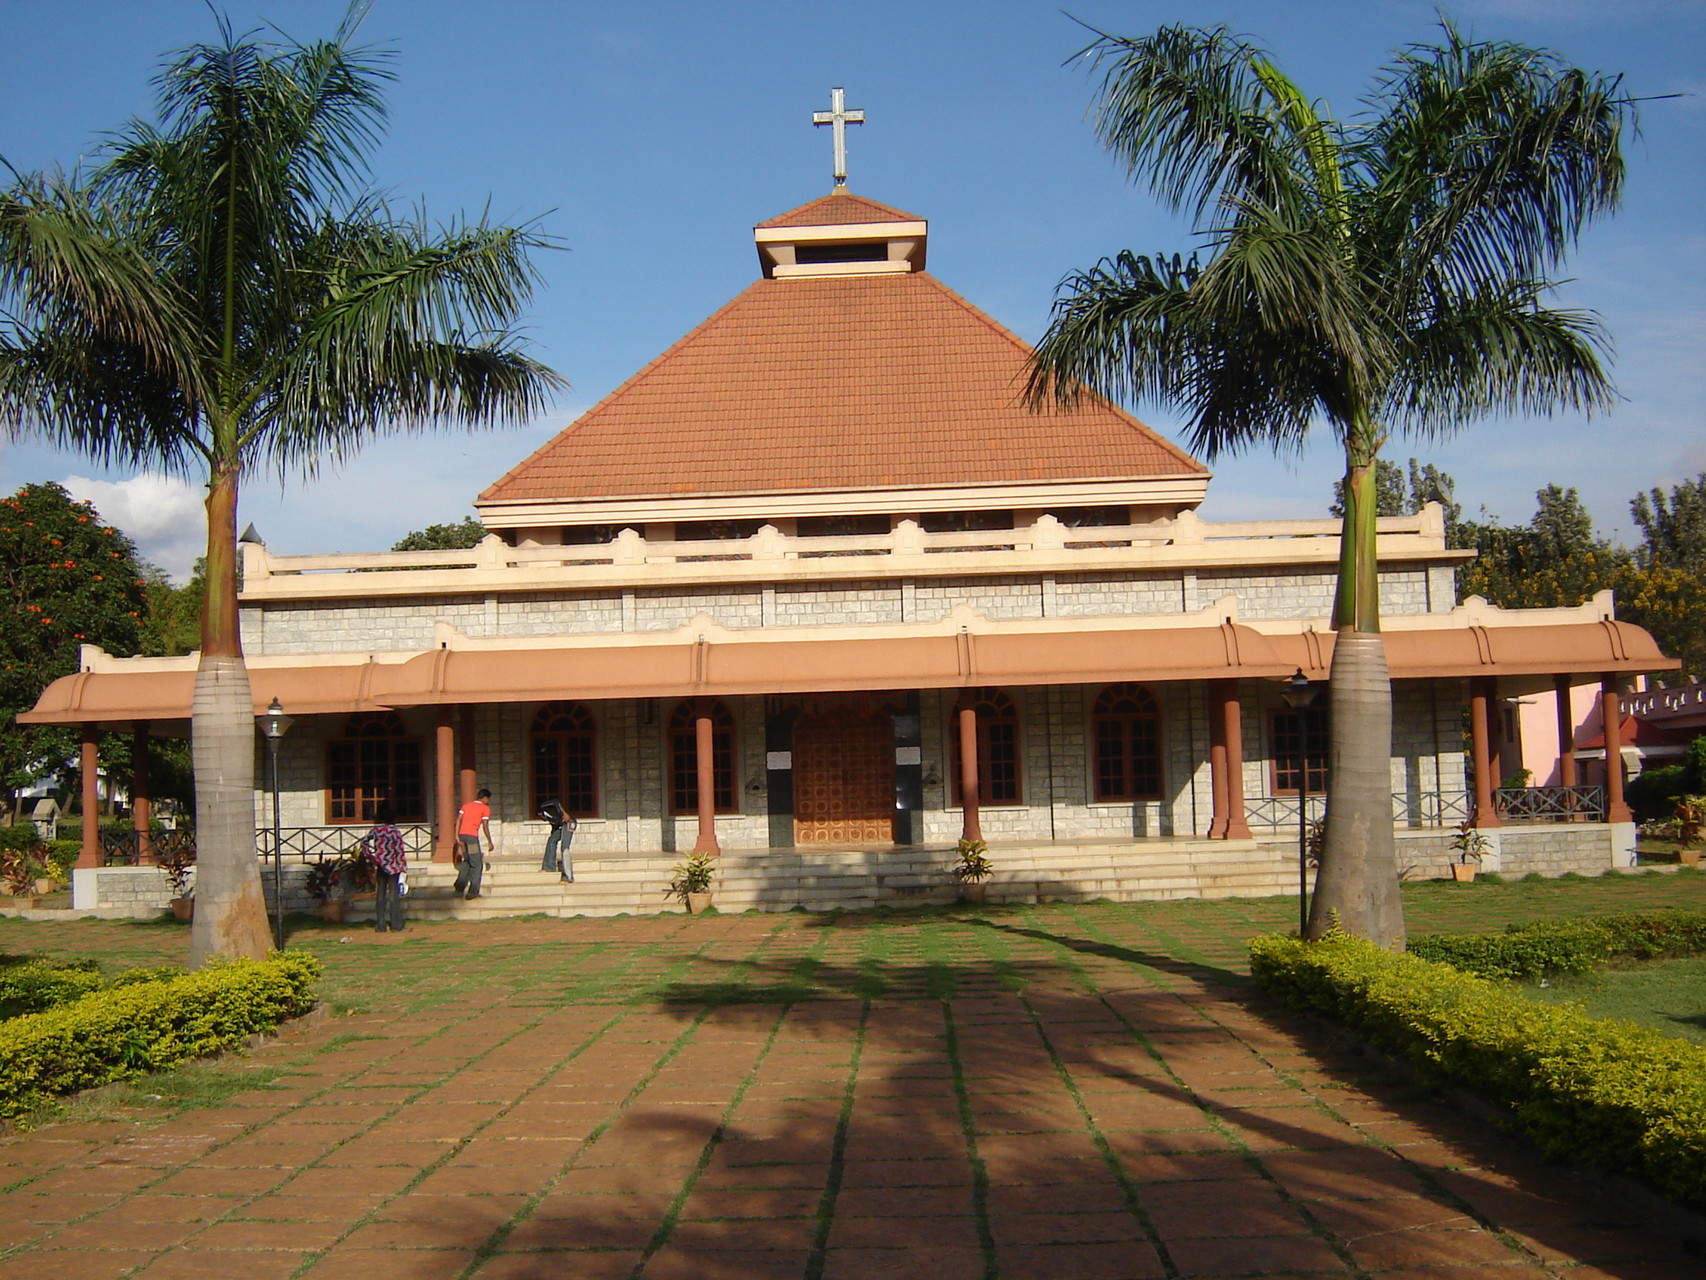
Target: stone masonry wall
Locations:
point(408, 623)
point(1056, 768)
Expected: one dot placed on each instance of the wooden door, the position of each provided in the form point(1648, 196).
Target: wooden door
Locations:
point(843, 776)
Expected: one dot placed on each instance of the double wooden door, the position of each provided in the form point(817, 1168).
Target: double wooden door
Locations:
point(843, 774)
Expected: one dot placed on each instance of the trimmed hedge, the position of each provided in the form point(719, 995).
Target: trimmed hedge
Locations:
point(131, 1030)
point(29, 986)
point(1552, 947)
point(1588, 1090)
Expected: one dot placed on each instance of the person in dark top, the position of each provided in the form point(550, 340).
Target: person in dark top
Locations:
point(557, 843)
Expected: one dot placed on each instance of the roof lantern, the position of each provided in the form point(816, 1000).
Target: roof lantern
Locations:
point(840, 234)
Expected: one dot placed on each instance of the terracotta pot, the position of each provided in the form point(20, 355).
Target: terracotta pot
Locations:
point(46, 885)
point(1463, 872)
point(699, 903)
point(183, 908)
point(25, 902)
point(1688, 857)
point(975, 891)
point(333, 910)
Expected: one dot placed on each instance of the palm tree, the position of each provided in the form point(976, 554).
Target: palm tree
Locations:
point(222, 295)
point(1384, 273)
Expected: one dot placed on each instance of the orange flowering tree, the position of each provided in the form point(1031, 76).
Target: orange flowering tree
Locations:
point(66, 579)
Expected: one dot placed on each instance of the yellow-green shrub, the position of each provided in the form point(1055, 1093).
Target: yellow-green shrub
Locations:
point(29, 986)
point(1550, 947)
point(1591, 1090)
point(131, 1030)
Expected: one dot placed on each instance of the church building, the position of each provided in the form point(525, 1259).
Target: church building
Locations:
point(815, 589)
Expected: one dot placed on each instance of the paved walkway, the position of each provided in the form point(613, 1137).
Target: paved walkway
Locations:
point(1071, 1093)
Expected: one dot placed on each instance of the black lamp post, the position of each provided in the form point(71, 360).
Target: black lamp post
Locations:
point(274, 725)
point(1300, 695)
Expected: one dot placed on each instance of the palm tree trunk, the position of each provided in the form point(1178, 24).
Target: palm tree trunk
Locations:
point(1357, 887)
point(1358, 881)
point(230, 910)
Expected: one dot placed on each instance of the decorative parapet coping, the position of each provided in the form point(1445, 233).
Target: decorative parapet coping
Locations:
point(1685, 703)
point(1043, 546)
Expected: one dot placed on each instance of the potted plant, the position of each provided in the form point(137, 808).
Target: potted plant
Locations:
point(692, 883)
point(1470, 844)
point(176, 863)
point(359, 874)
point(1689, 817)
point(325, 882)
point(973, 868)
point(18, 872)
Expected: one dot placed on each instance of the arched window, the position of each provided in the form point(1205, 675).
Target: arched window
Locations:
point(1125, 725)
point(563, 744)
point(997, 746)
point(684, 757)
point(374, 760)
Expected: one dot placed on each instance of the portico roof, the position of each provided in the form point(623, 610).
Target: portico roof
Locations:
point(703, 659)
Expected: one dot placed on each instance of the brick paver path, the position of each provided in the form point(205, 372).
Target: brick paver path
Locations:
point(1058, 1093)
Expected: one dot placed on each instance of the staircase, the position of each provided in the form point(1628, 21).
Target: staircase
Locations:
point(851, 879)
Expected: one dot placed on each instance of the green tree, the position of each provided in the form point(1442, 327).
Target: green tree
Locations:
point(1389, 496)
point(69, 580)
point(444, 537)
point(223, 295)
point(1665, 590)
point(1673, 528)
point(171, 625)
point(1393, 497)
point(1670, 603)
point(1556, 560)
point(1382, 273)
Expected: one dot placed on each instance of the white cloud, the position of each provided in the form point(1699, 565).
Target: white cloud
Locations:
point(163, 515)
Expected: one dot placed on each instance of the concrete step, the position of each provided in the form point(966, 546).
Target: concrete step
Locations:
point(828, 879)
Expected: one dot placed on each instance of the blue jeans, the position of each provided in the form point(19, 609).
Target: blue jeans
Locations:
point(473, 864)
point(557, 851)
point(388, 905)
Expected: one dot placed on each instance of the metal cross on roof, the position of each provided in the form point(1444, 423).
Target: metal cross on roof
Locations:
point(838, 117)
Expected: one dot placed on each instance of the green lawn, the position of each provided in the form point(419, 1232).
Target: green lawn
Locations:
point(636, 959)
point(1667, 995)
point(676, 961)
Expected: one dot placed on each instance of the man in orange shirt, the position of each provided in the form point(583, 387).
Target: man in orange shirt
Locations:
point(472, 820)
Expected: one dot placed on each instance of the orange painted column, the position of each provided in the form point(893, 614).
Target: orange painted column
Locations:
point(1216, 762)
point(90, 853)
point(1485, 813)
point(1566, 731)
point(1232, 730)
point(444, 784)
point(971, 828)
point(1611, 711)
point(705, 778)
point(141, 803)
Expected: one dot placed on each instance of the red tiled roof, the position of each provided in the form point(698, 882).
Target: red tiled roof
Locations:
point(838, 208)
point(833, 383)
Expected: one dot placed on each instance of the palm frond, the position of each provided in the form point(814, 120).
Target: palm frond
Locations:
point(77, 391)
point(64, 263)
point(1499, 351)
point(1186, 110)
point(1489, 158)
point(1294, 279)
point(1137, 329)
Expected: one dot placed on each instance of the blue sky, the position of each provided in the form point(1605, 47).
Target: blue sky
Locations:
point(649, 136)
